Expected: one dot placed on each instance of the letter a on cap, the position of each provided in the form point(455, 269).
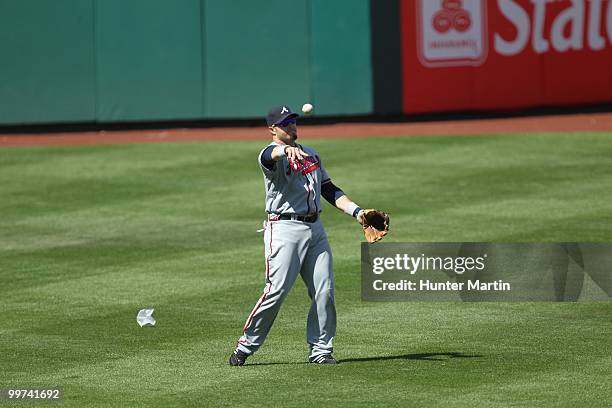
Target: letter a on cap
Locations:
point(284, 110)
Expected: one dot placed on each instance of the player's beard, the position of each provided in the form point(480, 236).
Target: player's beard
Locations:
point(292, 137)
point(288, 138)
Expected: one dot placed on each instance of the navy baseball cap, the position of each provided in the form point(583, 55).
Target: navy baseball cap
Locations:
point(278, 114)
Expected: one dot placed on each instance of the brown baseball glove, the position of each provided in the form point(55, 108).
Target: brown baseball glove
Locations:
point(375, 224)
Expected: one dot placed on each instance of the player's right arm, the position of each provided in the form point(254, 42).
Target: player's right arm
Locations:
point(273, 154)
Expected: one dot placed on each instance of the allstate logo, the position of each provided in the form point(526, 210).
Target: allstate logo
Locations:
point(452, 16)
point(451, 32)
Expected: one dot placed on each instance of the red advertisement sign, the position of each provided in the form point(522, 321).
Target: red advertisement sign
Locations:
point(505, 54)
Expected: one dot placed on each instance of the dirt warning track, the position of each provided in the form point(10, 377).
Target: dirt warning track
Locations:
point(591, 122)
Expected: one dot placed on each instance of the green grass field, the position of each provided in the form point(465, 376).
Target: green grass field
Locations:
point(90, 235)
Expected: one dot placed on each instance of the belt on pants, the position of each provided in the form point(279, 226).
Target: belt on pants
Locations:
point(294, 217)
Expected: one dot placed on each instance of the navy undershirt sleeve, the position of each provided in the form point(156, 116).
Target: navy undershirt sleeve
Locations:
point(266, 158)
point(330, 192)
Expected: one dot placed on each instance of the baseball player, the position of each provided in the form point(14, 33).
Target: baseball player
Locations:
point(295, 241)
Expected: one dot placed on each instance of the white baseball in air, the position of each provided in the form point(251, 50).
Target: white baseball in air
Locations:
point(307, 108)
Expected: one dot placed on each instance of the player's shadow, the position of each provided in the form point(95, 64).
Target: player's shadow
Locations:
point(414, 356)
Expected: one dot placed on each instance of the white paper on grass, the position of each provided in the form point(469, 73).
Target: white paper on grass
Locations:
point(145, 316)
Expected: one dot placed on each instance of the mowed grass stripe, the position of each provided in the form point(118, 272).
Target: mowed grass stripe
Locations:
point(91, 234)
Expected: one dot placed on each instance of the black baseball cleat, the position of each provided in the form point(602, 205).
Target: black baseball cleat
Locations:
point(237, 358)
point(324, 359)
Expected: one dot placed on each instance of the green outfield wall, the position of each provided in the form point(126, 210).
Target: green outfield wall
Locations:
point(157, 60)
point(47, 61)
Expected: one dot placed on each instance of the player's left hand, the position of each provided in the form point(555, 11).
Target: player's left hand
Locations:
point(375, 224)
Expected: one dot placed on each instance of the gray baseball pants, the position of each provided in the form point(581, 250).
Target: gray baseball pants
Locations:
point(292, 248)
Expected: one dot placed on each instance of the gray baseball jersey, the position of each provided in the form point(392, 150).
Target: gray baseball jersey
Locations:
point(294, 248)
point(297, 190)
